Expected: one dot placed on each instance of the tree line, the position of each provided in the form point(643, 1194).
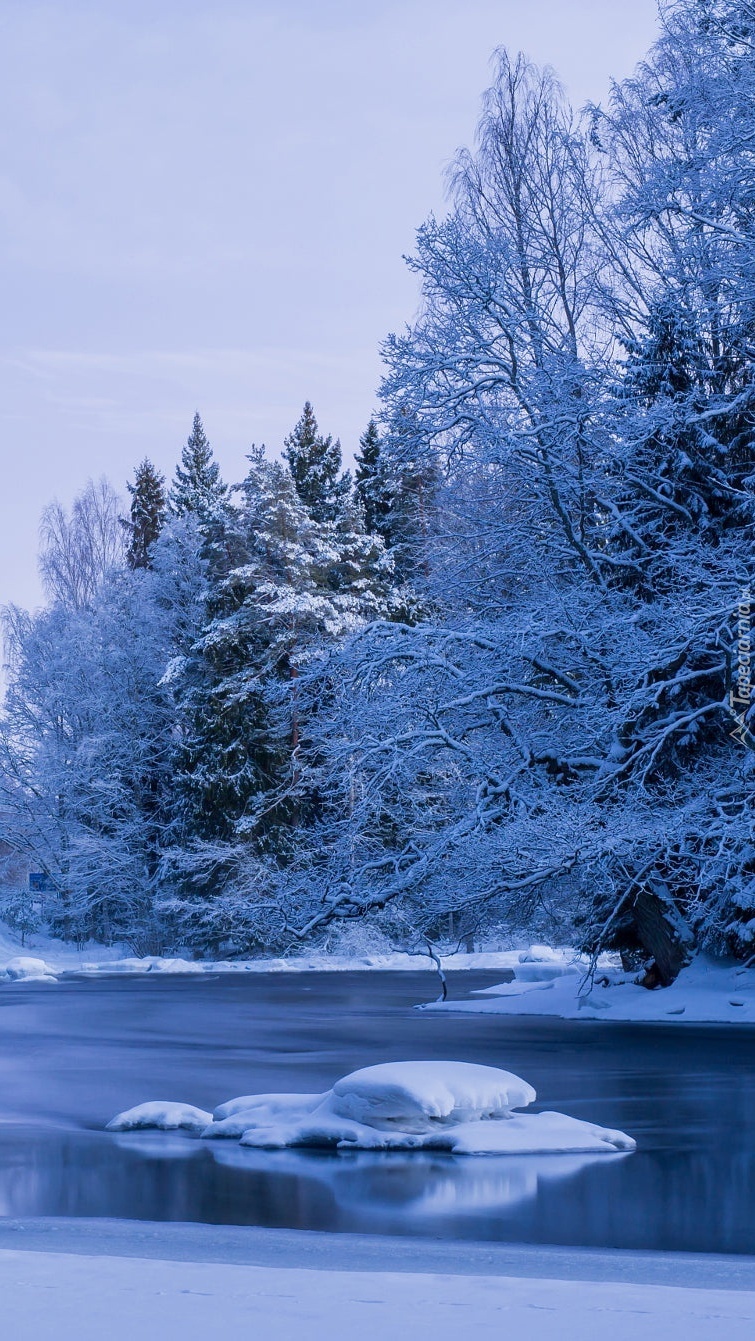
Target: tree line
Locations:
point(502, 676)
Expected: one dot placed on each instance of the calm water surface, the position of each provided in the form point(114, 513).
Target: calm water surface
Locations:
point(74, 1054)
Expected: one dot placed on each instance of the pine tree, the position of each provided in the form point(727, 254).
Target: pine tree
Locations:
point(147, 514)
point(372, 484)
point(197, 486)
point(315, 465)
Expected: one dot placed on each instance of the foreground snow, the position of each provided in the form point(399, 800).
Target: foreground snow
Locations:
point(705, 992)
point(61, 1297)
point(456, 1107)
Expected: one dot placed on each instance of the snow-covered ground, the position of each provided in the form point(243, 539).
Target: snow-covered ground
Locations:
point(707, 991)
point(73, 1297)
point(46, 959)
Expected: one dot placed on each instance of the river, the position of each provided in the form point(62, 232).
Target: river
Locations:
point(75, 1053)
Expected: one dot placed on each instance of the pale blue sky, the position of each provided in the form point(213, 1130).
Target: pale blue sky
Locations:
point(206, 205)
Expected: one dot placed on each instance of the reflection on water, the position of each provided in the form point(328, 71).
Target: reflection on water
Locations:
point(72, 1056)
point(632, 1201)
point(419, 1185)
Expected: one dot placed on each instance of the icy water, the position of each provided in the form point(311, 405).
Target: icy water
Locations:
point(74, 1054)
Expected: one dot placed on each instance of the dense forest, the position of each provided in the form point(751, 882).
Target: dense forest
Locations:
point(499, 675)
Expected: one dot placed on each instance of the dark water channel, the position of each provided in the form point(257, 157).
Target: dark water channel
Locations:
point(74, 1054)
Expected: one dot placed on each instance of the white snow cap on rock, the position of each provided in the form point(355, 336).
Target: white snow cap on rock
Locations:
point(259, 1110)
point(163, 1116)
point(252, 1101)
point(454, 1091)
point(457, 1107)
point(23, 968)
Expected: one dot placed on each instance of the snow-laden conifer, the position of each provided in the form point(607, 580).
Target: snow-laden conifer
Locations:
point(197, 487)
point(315, 465)
point(146, 515)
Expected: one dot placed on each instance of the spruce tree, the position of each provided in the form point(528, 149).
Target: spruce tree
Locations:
point(299, 586)
point(372, 484)
point(315, 465)
point(147, 514)
point(197, 486)
point(411, 475)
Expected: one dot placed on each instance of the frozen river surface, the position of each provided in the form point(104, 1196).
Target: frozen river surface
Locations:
point(75, 1053)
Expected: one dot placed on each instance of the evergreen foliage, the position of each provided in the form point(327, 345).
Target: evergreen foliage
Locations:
point(372, 483)
point(197, 487)
point(315, 465)
point(146, 515)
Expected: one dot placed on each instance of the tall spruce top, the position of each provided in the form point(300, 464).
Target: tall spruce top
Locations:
point(147, 513)
point(197, 487)
point(315, 465)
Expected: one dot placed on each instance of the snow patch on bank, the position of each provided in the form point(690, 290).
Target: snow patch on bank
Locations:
point(707, 991)
point(457, 1107)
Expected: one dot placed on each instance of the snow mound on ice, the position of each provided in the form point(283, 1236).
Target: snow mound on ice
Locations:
point(163, 1116)
point(22, 968)
point(247, 1101)
point(456, 1107)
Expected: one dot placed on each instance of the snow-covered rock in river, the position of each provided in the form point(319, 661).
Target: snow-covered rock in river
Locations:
point(237, 1116)
point(403, 1093)
point(529, 972)
point(541, 954)
point(456, 1107)
point(161, 1116)
point(23, 968)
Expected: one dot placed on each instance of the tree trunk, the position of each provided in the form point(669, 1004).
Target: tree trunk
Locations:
point(663, 933)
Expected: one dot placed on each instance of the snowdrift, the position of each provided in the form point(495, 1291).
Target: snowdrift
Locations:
point(457, 1107)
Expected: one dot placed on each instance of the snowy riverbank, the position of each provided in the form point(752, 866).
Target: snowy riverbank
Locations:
point(546, 981)
point(46, 958)
point(707, 991)
point(78, 1296)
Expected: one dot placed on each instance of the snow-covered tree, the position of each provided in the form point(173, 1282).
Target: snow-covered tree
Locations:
point(315, 465)
point(197, 487)
point(558, 730)
point(88, 738)
point(146, 515)
point(79, 550)
point(299, 582)
point(371, 481)
point(86, 747)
